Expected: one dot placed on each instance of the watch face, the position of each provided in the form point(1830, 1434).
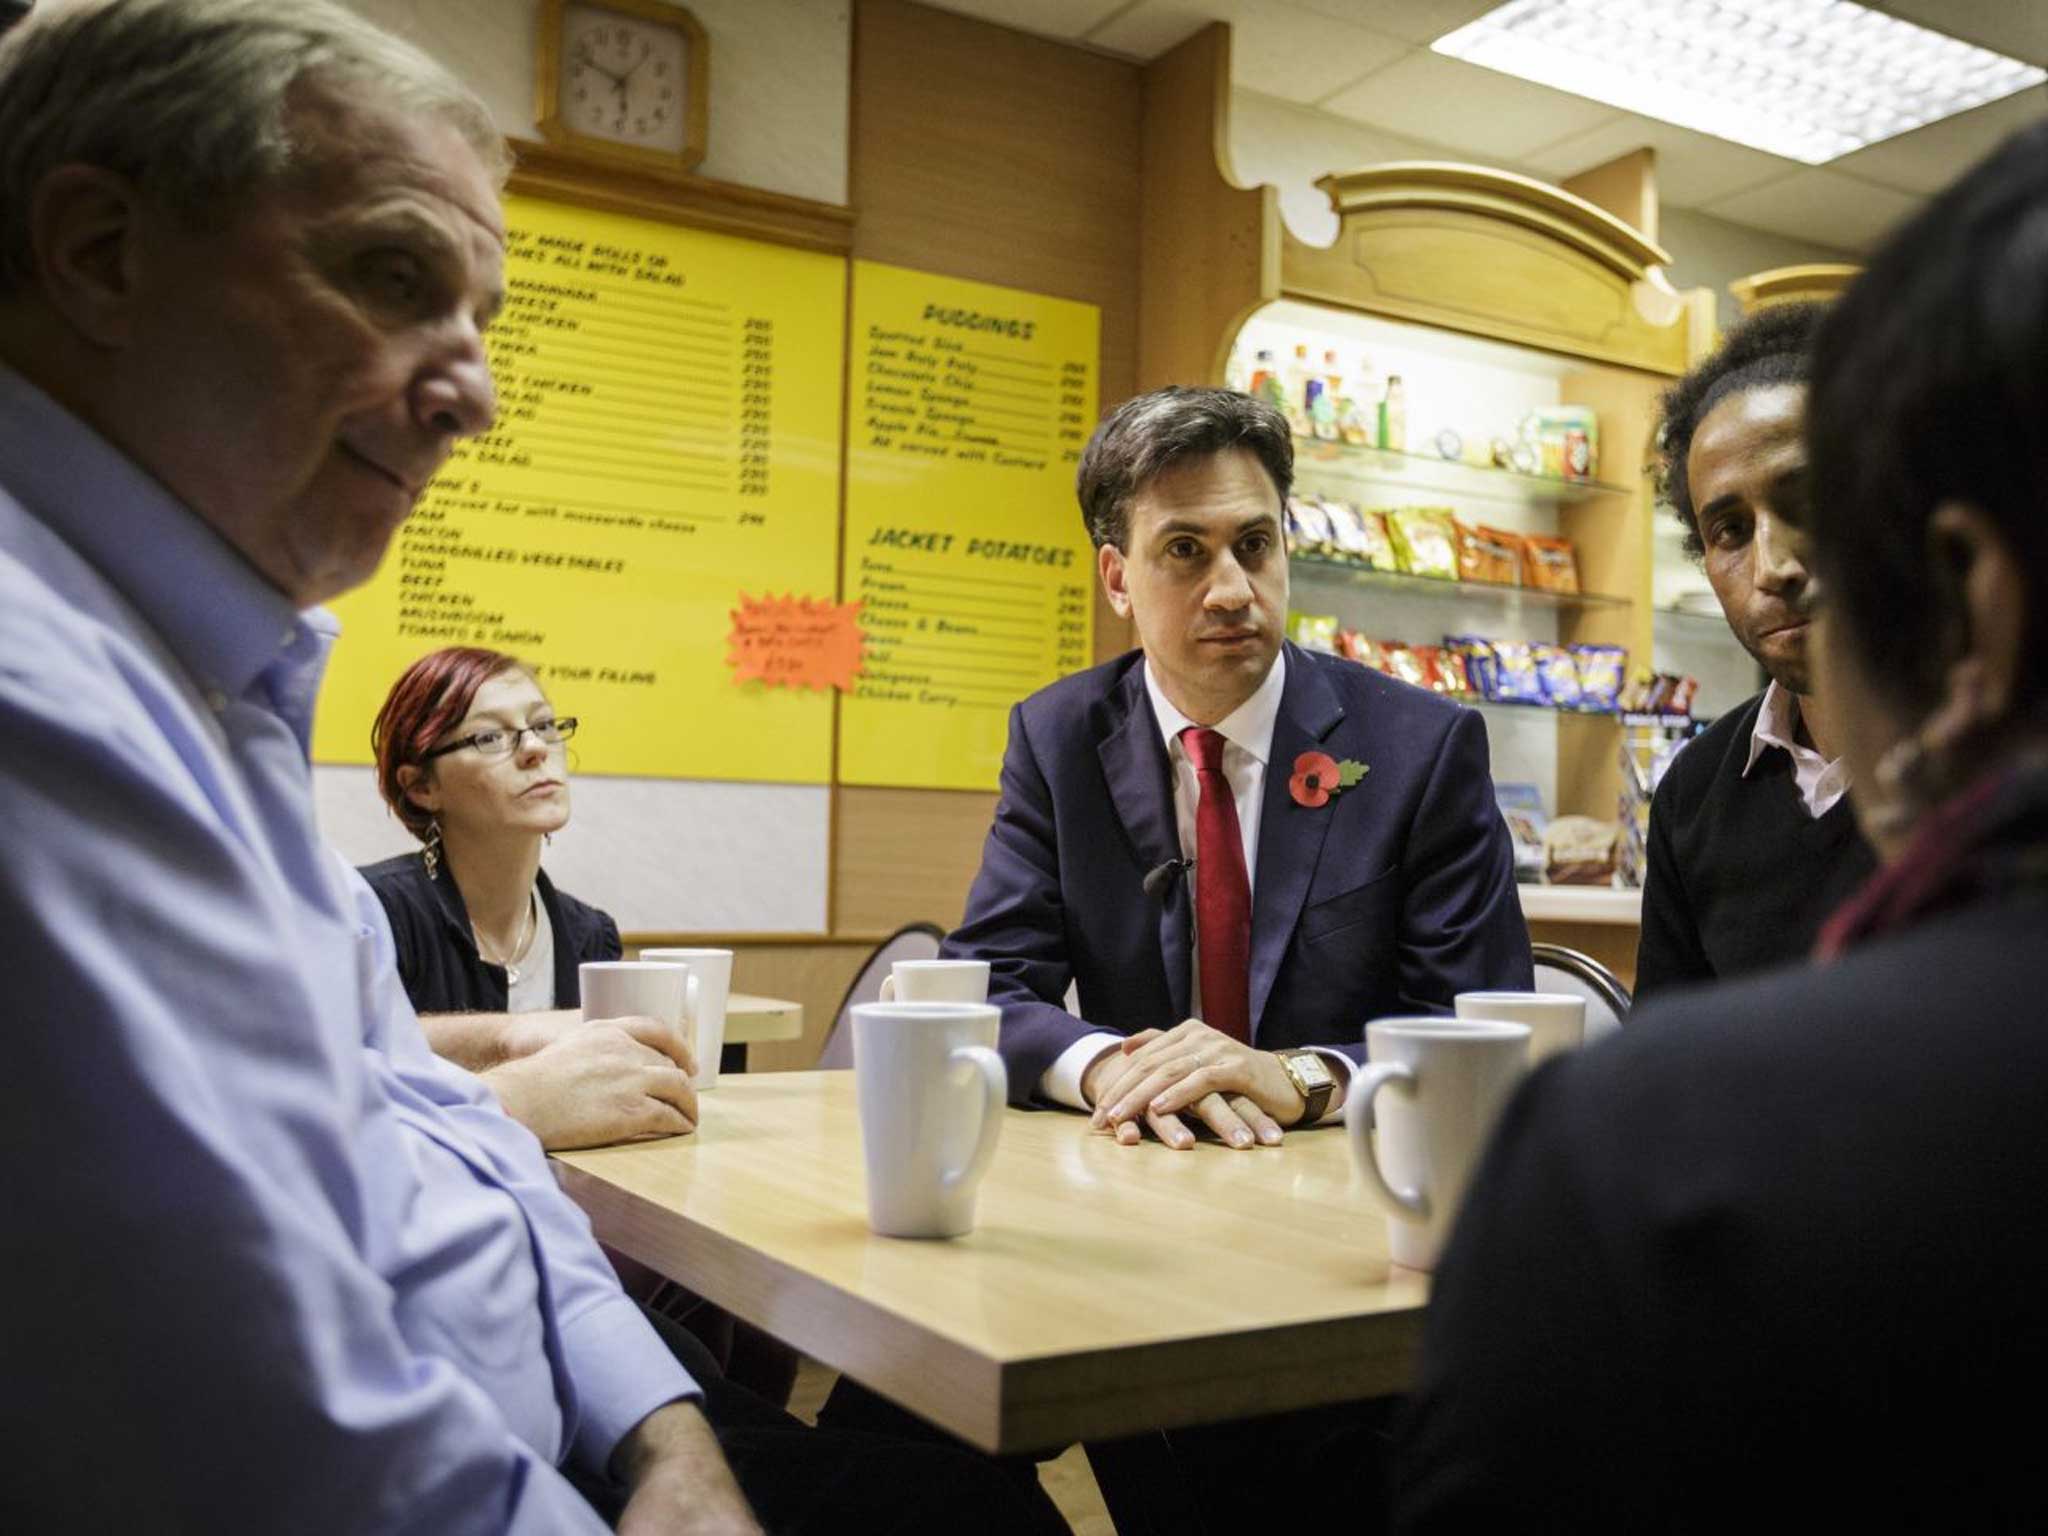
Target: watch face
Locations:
point(623, 79)
point(1311, 1069)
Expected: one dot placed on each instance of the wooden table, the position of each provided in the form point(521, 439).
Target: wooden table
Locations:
point(1105, 1290)
point(749, 1018)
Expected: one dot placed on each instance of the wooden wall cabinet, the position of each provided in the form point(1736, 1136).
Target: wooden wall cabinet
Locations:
point(1455, 251)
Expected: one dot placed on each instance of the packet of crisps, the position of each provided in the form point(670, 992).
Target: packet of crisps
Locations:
point(1426, 538)
point(1558, 674)
point(1601, 670)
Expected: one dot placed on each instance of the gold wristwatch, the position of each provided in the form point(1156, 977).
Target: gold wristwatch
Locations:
point(1312, 1079)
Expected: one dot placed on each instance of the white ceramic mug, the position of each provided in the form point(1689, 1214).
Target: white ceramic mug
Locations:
point(1556, 1020)
point(1450, 1080)
point(932, 1090)
point(936, 981)
point(713, 970)
point(654, 989)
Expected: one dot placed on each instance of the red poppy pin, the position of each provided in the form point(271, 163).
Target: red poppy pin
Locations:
point(1317, 776)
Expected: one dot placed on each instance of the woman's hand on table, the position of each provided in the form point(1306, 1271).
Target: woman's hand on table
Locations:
point(601, 1081)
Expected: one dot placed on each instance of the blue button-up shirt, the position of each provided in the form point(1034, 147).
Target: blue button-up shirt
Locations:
point(266, 1262)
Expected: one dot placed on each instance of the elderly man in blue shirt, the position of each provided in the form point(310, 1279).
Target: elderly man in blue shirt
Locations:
point(271, 1264)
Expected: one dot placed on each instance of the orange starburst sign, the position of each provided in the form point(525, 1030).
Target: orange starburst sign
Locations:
point(790, 642)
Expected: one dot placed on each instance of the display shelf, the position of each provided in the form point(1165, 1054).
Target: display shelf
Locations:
point(1581, 904)
point(1520, 707)
point(1321, 568)
point(1411, 474)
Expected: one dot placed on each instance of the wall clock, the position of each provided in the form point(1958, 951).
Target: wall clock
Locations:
point(623, 81)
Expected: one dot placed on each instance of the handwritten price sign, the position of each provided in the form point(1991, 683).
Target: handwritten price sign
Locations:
point(795, 642)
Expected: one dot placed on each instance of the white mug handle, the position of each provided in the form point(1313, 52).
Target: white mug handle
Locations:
point(995, 1092)
point(889, 988)
point(1358, 1123)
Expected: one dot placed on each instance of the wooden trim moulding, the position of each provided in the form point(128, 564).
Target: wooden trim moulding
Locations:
point(546, 170)
point(1819, 280)
point(1537, 205)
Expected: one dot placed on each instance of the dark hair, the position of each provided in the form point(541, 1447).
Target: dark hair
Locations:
point(1930, 385)
point(1772, 346)
point(425, 704)
point(1149, 434)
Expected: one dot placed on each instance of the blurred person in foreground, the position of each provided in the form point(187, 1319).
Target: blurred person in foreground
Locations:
point(1784, 1264)
point(1752, 840)
point(472, 760)
point(272, 1265)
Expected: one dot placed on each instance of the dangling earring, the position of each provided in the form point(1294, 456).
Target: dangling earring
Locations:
point(431, 854)
point(548, 838)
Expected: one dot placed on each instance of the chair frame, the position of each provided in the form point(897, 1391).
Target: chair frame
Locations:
point(1605, 984)
point(929, 929)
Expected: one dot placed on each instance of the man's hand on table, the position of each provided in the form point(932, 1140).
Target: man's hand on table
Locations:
point(601, 1081)
point(680, 1483)
point(1157, 1077)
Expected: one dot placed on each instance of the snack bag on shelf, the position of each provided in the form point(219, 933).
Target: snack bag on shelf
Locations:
point(1427, 540)
point(1601, 668)
point(1313, 631)
point(1481, 665)
point(1347, 529)
point(1635, 697)
point(1557, 672)
point(1429, 659)
point(1402, 662)
point(1516, 677)
point(1495, 555)
point(1379, 544)
point(1521, 807)
point(1551, 565)
point(1450, 664)
point(1308, 528)
point(1577, 850)
point(1351, 645)
point(1683, 690)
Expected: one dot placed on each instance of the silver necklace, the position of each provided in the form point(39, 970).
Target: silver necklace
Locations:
point(510, 961)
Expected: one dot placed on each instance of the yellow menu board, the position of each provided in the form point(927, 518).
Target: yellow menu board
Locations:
point(667, 438)
point(969, 406)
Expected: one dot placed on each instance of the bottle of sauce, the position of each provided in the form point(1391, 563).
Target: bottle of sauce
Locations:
point(1394, 416)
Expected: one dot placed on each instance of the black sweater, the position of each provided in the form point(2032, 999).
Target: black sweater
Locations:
point(1739, 877)
point(437, 958)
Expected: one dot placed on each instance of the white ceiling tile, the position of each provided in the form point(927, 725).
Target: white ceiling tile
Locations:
point(1048, 18)
point(1692, 168)
point(1413, 21)
point(1478, 111)
point(1151, 27)
point(1819, 205)
point(2015, 28)
point(1928, 159)
point(1277, 48)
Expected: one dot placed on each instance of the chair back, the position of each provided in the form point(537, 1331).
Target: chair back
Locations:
point(913, 941)
point(1577, 974)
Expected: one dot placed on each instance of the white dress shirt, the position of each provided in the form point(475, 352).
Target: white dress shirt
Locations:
point(1247, 732)
point(1820, 782)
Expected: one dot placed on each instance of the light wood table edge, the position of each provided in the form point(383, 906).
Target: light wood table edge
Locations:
point(1171, 1384)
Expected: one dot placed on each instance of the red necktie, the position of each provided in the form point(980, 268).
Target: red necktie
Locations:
point(1223, 892)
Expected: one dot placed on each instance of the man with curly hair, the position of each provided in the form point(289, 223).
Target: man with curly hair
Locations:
point(1751, 839)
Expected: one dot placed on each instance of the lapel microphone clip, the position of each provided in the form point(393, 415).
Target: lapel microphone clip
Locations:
point(1158, 878)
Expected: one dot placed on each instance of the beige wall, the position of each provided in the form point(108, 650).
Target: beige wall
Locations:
point(780, 74)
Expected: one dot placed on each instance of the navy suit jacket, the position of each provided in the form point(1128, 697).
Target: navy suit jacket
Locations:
point(1392, 898)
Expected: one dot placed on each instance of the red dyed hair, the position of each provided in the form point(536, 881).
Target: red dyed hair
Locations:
point(424, 705)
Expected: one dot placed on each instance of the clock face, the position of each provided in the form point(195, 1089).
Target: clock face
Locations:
point(623, 79)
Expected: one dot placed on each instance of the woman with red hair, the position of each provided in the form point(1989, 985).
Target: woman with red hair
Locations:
point(470, 758)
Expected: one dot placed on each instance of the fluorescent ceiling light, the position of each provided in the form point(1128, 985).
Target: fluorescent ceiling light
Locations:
point(1806, 79)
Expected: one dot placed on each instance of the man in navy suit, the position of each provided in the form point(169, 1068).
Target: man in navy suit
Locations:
point(1228, 945)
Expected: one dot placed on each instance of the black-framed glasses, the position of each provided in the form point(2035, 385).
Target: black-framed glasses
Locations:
point(503, 742)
